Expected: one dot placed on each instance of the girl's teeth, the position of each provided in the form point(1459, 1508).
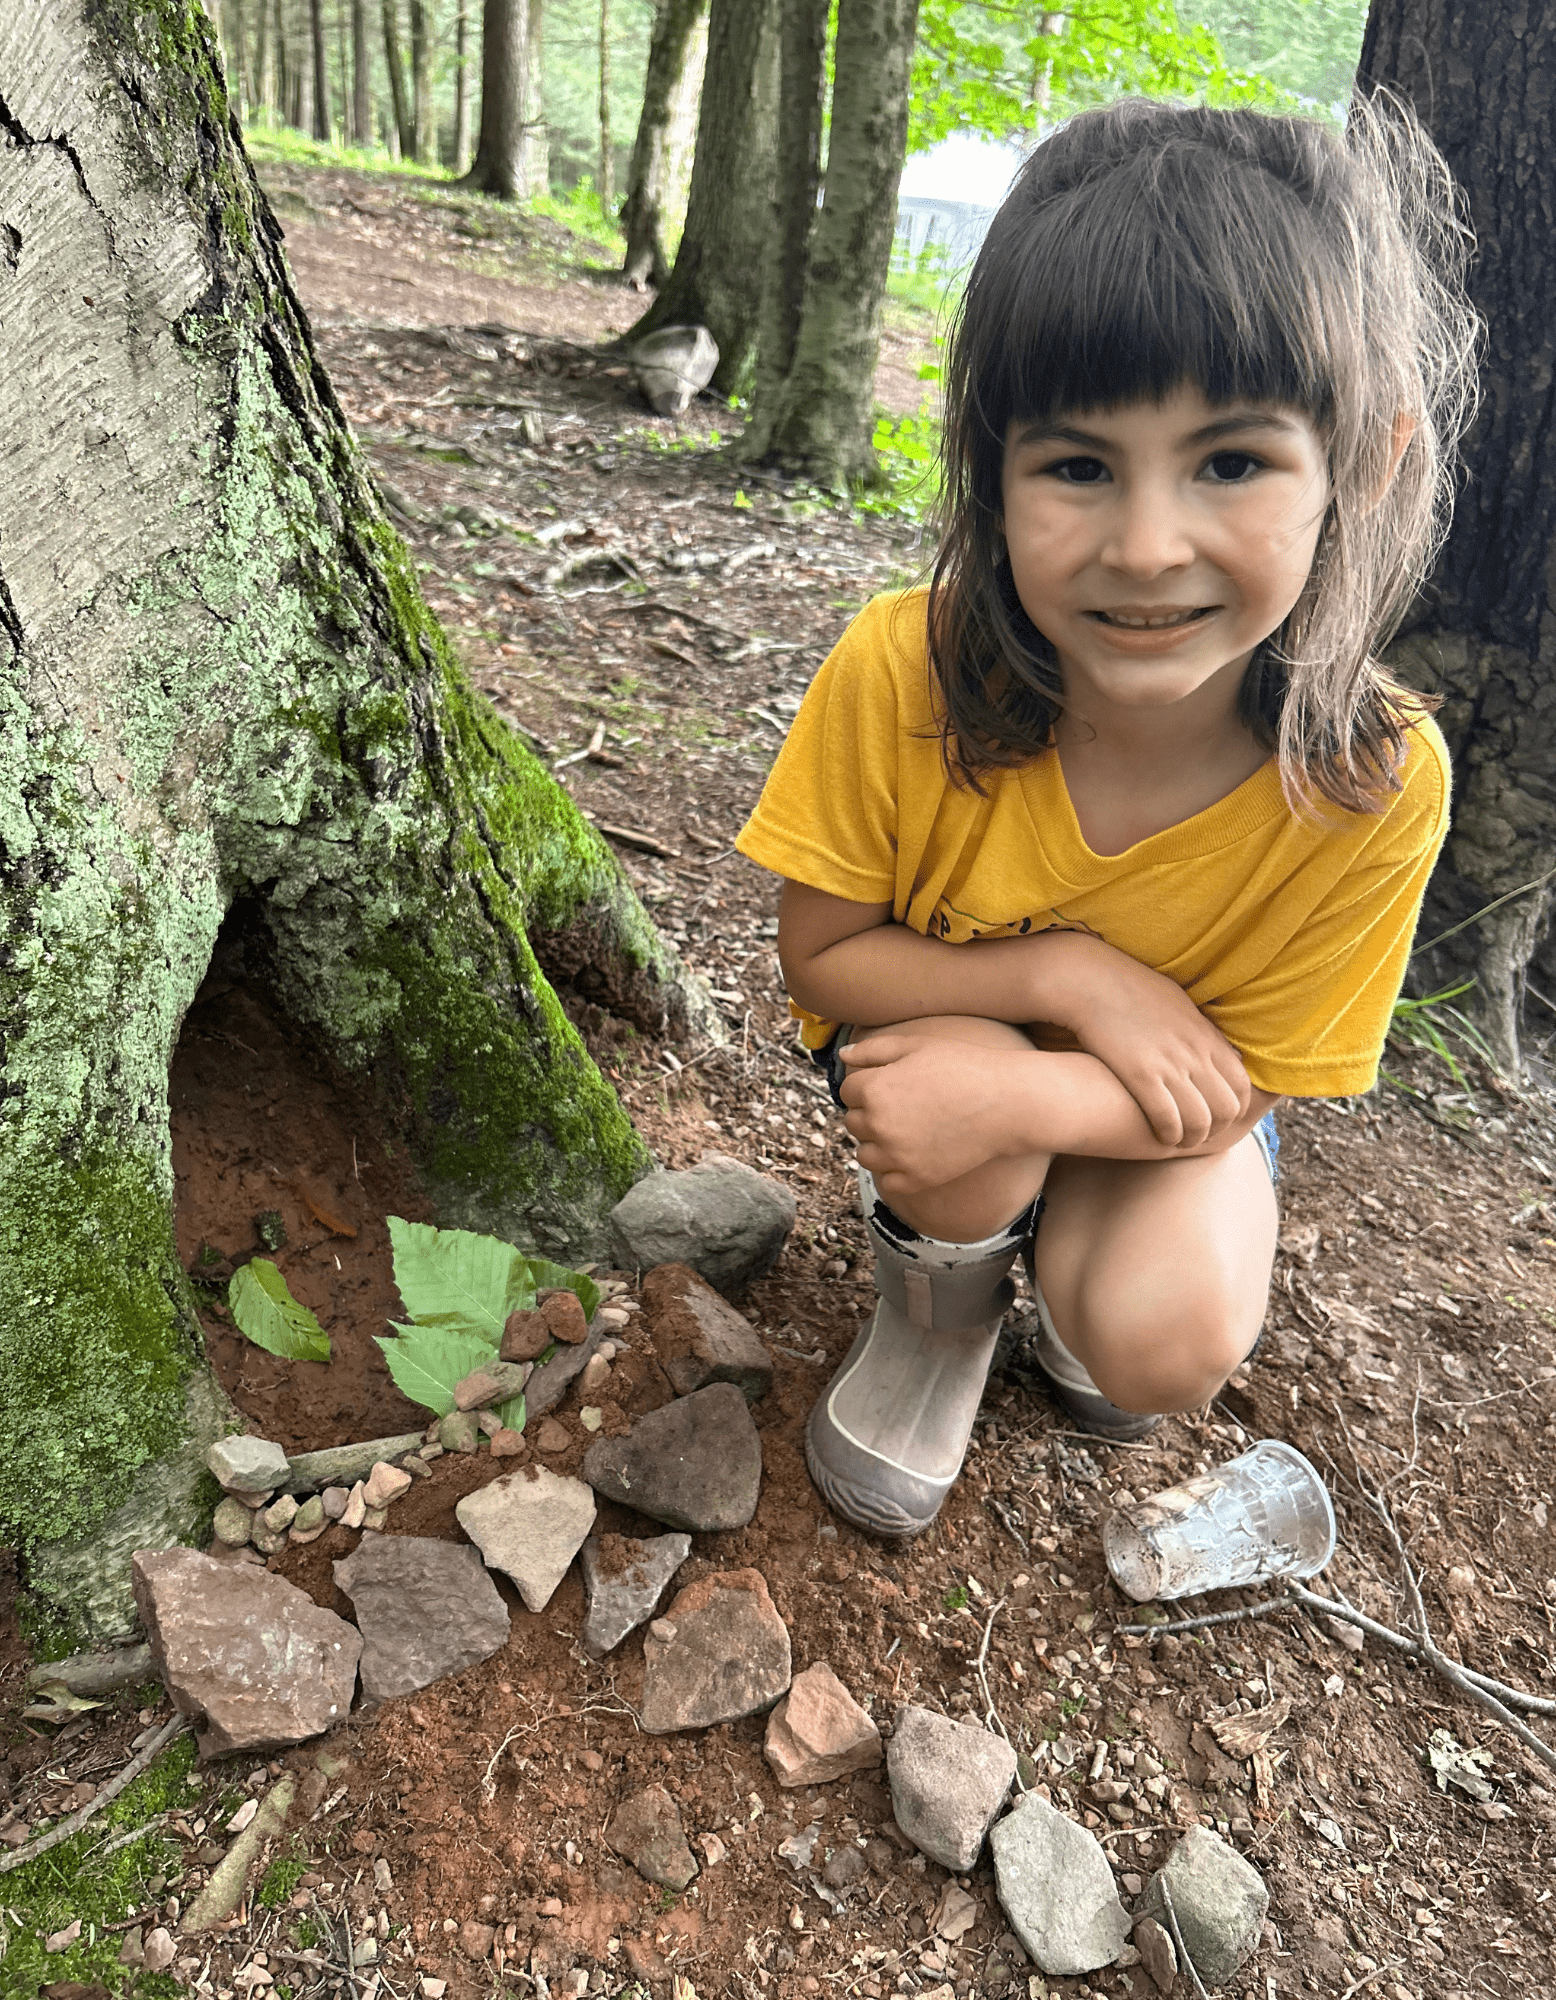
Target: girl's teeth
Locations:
point(1150, 624)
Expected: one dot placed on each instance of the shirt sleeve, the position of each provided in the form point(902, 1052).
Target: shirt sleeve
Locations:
point(1315, 1022)
point(827, 816)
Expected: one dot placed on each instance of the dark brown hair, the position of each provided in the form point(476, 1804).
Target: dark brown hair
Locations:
point(1145, 246)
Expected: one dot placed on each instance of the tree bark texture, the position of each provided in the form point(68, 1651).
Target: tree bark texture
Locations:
point(823, 416)
point(796, 183)
point(221, 691)
point(499, 153)
point(656, 191)
point(717, 278)
point(361, 76)
point(405, 130)
point(462, 88)
point(1483, 81)
point(321, 73)
point(422, 50)
point(607, 144)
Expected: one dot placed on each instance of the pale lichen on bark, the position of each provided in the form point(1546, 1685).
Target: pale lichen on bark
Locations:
point(219, 683)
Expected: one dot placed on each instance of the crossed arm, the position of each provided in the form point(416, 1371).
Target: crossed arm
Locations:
point(1152, 1080)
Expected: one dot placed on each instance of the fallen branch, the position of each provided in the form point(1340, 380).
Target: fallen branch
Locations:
point(105, 1796)
point(991, 1715)
point(1184, 1957)
point(1162, 1630)
point(97, 1673)
point(1369, 1978)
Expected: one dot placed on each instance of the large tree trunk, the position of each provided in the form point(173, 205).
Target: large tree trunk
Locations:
point(462, 92)
point(655, 180)
point(222, 692)
point(717, 279)
point(607, 142)
point(1484, 632)
point(405, 130)
point(537, 138)
point(361, 76)
point(423, 48)
point(321, 73)
point(499, 152)
point(822, 418)
point(795, 186)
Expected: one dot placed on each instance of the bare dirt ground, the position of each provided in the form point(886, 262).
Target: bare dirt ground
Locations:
point(611, 581)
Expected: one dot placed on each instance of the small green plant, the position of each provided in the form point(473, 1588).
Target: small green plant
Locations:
point(266, 1313)
point(956, 1600)
point(280, 1880)
point(1072, 1704)
point(1432, 1022)
point(585, 214)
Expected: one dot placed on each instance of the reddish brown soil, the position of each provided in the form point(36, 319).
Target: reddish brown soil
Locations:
point(1408, 1344)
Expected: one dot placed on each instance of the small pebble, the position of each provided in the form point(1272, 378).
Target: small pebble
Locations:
point(280, 1514)
point(333, 1500)
point(374, 1518)
point(355, 1507)
point(508, 1444)
point(591, 1417)
point(551, 1436)
point(231, 1523)
point(385, 1483)
point(490, 1422)
point(309, 1515)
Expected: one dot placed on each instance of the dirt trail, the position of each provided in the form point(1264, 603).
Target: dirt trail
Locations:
point(1409, 1342)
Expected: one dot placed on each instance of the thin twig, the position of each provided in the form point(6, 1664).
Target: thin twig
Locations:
point(488, 1782)
point(1369, 1978)
point(1514, 1697)
point(991, 1715)
point(135, 1833)
point(105, 1796)
point(1184, 1957)
point(1210, 1618)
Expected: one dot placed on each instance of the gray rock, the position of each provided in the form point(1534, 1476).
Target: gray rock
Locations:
point(719, 1652)
point(673, 365)
point(252, 1659)
point(459, 1431)
point(646, 1830)
point(310, 1515)
point(695, 1464)
point(231, 1523)
point(698, 1338)
point(948, 1780)
point(722, 1217)
point(529, 1525)
point(334, 1499)
point(344, 1464)
point(426, 1609)
point(551, 1382)
point(1055, 1886)
point(1218, 1898)
point(498, 1382)
point(623, 1583)
point(247, 1464)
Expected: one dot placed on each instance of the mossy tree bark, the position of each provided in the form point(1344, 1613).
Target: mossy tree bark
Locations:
point(819, 415)
point(219, 685)
point(677, 51)
point(716, 281)
point(1484, 632)
point(796, 184)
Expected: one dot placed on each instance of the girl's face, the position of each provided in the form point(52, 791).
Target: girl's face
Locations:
point(1154, 545)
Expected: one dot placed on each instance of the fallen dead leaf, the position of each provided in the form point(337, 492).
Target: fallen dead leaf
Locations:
point(1243, 1735)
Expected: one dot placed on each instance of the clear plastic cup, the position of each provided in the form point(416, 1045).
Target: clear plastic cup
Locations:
point(1264, 1514)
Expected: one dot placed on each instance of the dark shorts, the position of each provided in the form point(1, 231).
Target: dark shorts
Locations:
point(831, 1065)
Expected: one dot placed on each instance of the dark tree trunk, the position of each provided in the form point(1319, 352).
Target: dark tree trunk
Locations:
point(422, 51)
point(1484, 631)
point(224, 695)
point(321, 72)
point(676, 53)
point(405, 131)
point(462, 88)
point(795, 187)
point(499, 154)
point(717, 278)
point(607, 154)
point(283, 70)
point(361, 76)
point(822, 417)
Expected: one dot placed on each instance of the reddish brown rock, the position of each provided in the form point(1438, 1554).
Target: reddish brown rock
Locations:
point(698, 1338)
point(497, 1382)
point(525, 1337)
point(720, 1651)
point(646, 1830)
point(818, 1732)
point(563, 1313)
point(249, 1657)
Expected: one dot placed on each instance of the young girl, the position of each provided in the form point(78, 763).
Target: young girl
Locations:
point(1118, 833)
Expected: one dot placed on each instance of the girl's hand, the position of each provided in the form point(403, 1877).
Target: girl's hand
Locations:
point(925, 1113)
point(1184, 1074)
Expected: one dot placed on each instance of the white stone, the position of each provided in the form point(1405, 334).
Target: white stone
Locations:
point(530, 1525)
point(1057, 1889)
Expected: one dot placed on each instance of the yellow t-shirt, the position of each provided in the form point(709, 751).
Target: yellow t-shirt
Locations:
point(1290, 932)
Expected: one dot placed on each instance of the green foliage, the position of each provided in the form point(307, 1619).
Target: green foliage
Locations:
point(956, 1600)
point(1306, 47)
point(1433, 1024)
point(427, 1361)
point(280, 1879)
point(77, 1879)
point(571, 84)
point(270, 143)
point(584, 214)
point(267, 1314)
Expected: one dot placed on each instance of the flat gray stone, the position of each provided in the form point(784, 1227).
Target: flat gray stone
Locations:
point(673, 364)
point(426, 1608)
point(719, 1652)
point(646, 1830)
point(247, 1464)
point(948, 1780)
point(248, 1656)
point(344, 1464)
point(722, 1217)
point(699, 1338)
point(623, 1583)
point(551, 1382)
point(529, 1525)
point(1055, 1886)
point(695, 1464)
point(1218, 1898)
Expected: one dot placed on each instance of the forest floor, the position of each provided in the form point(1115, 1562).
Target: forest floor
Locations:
point(644, 594)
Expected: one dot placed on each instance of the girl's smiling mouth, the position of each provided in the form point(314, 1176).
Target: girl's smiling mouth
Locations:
point(1152, 621)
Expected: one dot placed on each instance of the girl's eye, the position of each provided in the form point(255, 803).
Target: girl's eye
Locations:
point(1079, 471)
point(1232, 468)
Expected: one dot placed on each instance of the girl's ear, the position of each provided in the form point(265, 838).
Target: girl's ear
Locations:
point(1405, 426)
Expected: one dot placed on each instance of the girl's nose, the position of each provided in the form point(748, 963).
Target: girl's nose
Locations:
point(1146, 534)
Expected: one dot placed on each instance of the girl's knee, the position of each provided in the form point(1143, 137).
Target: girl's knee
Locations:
point(1152, 1367)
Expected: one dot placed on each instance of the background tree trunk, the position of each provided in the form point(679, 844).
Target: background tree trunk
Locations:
point(405, 131)
point(717, 278)
point(284, 90)
point(1483, 632)
point(537, 142)
point(361, 76)
point(223, 694)
point(462, 88)
point(795, 186)
point(423, 48)
point(607, 147)
point(264, 85)
point(677, 51)
point(822, 418)
point(321, 73)
point(499, 154)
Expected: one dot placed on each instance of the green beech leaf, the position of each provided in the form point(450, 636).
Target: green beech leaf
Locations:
point(267, 1314)
point(549, 1276)
point(427, 1361)
point(512, 1413)
point(454, 1278)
